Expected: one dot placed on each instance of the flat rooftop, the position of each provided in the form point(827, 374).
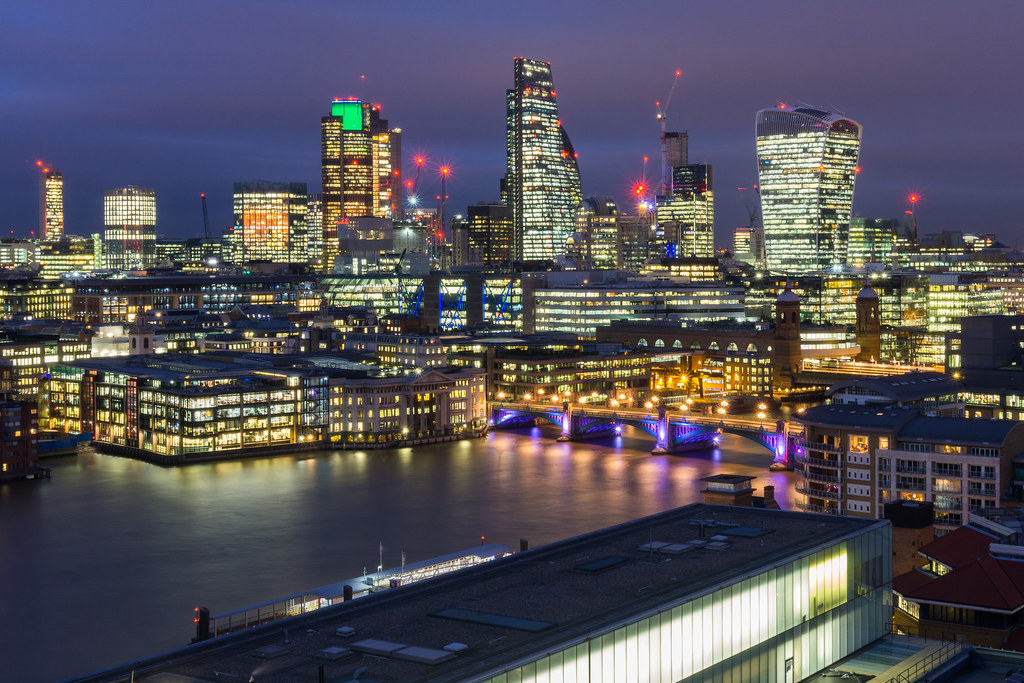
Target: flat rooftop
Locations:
point(521, 606)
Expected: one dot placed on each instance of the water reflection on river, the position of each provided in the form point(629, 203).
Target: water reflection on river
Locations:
point(104, 562)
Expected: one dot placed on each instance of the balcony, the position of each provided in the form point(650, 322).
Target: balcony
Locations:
point(824, 494)
point(911, 469)
point(823, 477)
point(813, 507)
point(909, 487)
point(979, 491)
point(822, 447)
point(834, 463)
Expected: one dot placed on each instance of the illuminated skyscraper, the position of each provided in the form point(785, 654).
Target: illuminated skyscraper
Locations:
point(355, 145)
point(51, 205)
point(687, 216)
point(543, 178)
point(595, 244)
point(807, 163)
point(271, 217)
point(129, 236)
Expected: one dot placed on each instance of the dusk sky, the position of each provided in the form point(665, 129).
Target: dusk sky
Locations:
point(190, 97)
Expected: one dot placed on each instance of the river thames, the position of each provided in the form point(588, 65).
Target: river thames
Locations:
point(103, 563)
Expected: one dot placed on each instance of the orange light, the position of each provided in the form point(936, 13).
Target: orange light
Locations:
point(856, 170)
point(678, 73)
point(39, 163)
point(203, 195)
point(46, 170)
point(445, 170)
point(420, 160)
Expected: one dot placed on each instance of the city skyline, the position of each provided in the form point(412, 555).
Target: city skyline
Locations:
point(893, 71)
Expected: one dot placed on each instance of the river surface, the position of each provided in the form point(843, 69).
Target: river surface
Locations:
point(103, 563)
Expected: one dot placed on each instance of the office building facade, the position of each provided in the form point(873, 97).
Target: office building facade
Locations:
point(51, 204)
point(129, 236)
point(271, 218)
point(687, 215)
point(543, 176)
point(594, 245)
point(356, 171)
point(807, 163)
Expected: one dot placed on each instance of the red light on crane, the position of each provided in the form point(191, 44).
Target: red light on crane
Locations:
point(678, 73)
point(39, 163)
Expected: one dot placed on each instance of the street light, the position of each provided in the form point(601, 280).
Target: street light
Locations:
point(615, 404)
point(501, 395)
point(526, 397)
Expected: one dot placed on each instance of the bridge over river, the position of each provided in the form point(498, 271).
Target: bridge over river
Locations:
point(672, 432)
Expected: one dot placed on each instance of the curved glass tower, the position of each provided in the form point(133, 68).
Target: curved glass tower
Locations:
point(543, 178)
point(807, 163)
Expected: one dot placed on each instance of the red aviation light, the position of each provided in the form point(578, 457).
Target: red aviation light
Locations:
point(678, 73)
point(445, 170)
point(913, 198)
point(639, 189)
point(39, 163)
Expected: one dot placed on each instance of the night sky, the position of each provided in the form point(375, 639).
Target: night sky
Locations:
point(190, 97)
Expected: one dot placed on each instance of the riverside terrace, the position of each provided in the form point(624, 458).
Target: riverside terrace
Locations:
point(700, 591)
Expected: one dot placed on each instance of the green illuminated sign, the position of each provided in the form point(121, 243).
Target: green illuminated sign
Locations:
point(350, 112)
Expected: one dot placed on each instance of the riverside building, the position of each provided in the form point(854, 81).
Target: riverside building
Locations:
point(807, 164)
point(857, 457)
point(698, 593)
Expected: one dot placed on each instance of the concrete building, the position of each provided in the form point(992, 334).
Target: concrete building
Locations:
point(857, 457)
point(698, 593)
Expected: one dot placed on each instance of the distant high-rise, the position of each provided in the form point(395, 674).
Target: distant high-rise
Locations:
point(51, 205)
point(129, 236)
point(687, 216)
point(543, 177)
point(596, 242)
point(807, 163)
point(676, 150)
point(489, 237)
point(271, 218)
point(355, 145)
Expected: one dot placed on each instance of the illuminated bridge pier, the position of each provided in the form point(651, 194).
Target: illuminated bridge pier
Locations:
point(671, 433)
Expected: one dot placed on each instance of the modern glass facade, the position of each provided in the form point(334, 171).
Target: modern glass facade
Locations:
point(783, 622)
point(582, 311)
point(807, 163)
point(687, 216)
point(543, 176)
point(271, 217)
point(356, 170)
point(594, 245)
point(129, 236)
point(51, 205)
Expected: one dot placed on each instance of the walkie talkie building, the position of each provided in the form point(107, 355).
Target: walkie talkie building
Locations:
point(807, 163)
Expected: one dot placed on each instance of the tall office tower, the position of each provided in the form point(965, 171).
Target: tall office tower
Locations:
point(543, 177)
point(748, 245)
point(677, 150)
point(807, 163)
point(687, 215)
point(315, 227)
point(271, 218)
point(129, 221)
point(355, 146)
point(595, 244)
point(51, 205)
point(397, 177)
point(636, 233)
point(489, 234)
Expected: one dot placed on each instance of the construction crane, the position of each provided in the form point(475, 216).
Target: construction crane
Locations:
point(206, 219)
point(661, 113)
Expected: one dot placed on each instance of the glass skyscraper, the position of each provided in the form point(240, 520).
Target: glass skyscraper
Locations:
point(51, 205)
point(807, 163)
point(687, 216)
point(129, 220)
point(356, 168)
point(271, 218)
point(543, 177)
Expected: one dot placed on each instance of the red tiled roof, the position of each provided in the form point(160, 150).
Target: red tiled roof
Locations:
point(959, 547)
point(986, 583)
point(1015, 641)
point(911, 581)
